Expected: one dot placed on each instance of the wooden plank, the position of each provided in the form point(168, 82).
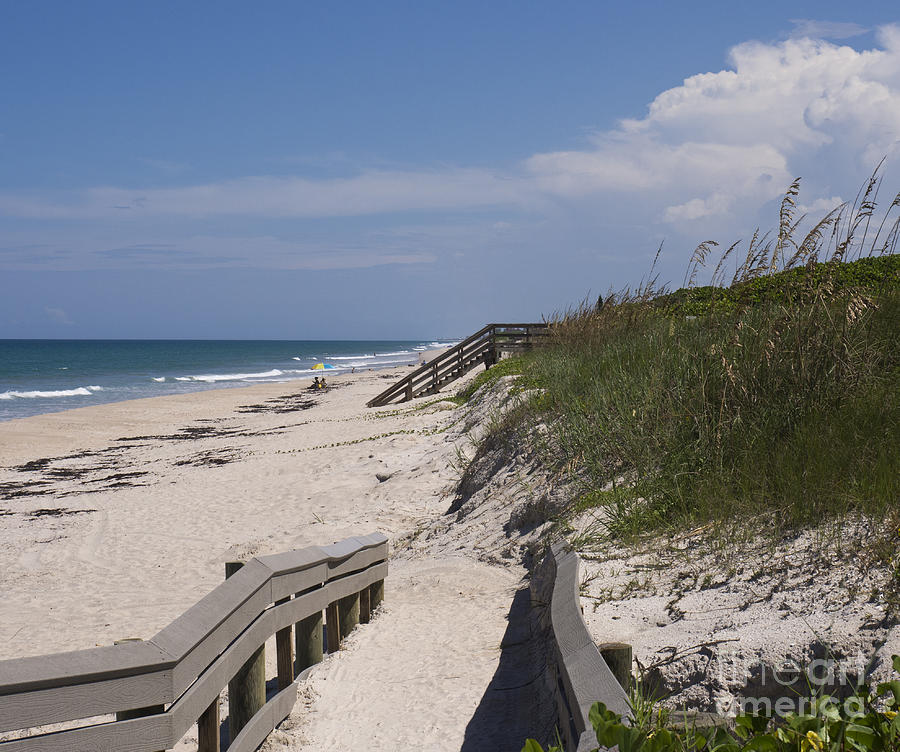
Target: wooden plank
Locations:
point(247, 688)
point(307, 604)
point(403, 387)
point(353, 583)
point(342, 549)
point(584, 676)
point(263, 723)
point(289, 583)
point(295, 560)
point(137, 735)
point(83, 700)
point(357, 562)
point(212, 640)
point(208, 685)
point(94, 664)
point(200, 696)
point(206, 629)
point(292, 574)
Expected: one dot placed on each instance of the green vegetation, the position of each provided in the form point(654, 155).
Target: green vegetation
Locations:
point(773, 402)
point(790, 287)
point(505, 367)
point(864, 722)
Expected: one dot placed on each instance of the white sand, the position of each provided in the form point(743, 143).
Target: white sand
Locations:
point(708, 622)
point(156, 542)
point(407, 680)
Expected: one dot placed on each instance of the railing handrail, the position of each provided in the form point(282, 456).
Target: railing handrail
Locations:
point(487, 333)
point(187, 663)
point(437, 360)
point(582, 675)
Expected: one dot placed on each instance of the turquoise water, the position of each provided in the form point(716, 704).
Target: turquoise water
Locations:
point(42, 376)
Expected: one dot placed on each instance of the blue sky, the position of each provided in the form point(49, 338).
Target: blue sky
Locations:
point(349, 170)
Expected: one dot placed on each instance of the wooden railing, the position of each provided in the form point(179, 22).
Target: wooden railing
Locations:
point(159, 688)
point(485, 346)
point(578, 673)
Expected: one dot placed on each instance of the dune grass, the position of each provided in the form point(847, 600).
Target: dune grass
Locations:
point(773, 400)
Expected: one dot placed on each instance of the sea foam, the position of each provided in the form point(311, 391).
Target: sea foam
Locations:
point(211, 378)
point(368, 357)
point(82, 391)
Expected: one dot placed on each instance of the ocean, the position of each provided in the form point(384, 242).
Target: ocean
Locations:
point(44, 376)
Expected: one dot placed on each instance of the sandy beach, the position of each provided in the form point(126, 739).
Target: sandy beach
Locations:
point(117, 518)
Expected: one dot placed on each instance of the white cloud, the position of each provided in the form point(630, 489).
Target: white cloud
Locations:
point(704, 159)
point(724, 142)
point(697, 208)
point(807, 27)
point(376, 192)
point(821, 206)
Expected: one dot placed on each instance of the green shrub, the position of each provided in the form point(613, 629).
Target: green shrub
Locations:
point(856, 724)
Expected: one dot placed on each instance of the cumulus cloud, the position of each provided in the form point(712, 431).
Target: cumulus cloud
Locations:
point(705, 157)
point(736, 138)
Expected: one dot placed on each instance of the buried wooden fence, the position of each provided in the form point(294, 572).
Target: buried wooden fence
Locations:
point(578, 673)
point(159, 688)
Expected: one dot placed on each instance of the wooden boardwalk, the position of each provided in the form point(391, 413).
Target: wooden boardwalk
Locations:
point(485, 346)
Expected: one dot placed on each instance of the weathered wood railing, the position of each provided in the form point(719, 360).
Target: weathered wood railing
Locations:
point(485, 346)
point(578, 673)
point(160, 687)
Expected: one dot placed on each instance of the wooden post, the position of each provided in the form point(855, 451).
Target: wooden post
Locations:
point(365, 609)
point(409, 395)
point(348, 614)
point(208, 729)
point(247, 688)
point(376, 594)
point(332, 627)
point(284, 649)
point(308, 638)
point(127, 715)
point(207, 724)
point(618, 657)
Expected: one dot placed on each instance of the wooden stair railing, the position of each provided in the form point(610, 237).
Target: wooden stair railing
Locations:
point(485, 346)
